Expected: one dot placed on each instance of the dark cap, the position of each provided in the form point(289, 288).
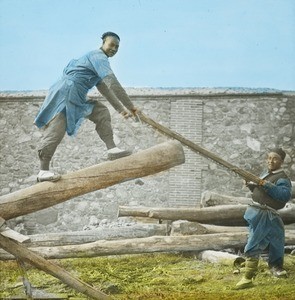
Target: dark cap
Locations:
point(280, 152)
point(109, 33)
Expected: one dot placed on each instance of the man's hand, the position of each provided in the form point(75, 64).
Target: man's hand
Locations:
point(262, 182)
point(126, 114)
point(133, 113)
point(250, 185)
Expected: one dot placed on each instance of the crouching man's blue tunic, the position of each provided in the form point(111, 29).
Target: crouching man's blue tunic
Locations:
point(68, 95)
point(266, 228)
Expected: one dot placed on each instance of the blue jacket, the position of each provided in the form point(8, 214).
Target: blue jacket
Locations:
point(68, 95)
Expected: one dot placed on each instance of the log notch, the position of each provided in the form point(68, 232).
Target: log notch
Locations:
point(42, 195)
point(231, 215)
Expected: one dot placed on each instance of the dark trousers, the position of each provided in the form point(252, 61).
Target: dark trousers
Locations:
point(55, 130)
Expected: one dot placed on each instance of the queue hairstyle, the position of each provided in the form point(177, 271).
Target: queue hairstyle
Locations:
point(109, 33)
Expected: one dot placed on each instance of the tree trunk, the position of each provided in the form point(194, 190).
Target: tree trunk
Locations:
point(145, 245)
point(227, 215)
point(89, 236)
point(38, 261)
point(42, 195)
point(215, 241)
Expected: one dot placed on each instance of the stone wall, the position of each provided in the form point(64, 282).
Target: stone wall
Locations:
point(239, 126)
point(242, 130)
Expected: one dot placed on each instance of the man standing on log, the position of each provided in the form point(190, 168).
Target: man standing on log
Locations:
point(266, 228)
point(66, 104)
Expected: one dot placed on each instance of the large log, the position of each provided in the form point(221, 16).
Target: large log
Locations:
point(88, 236)
point(227, 215)
point(143, 245)
point(216, 241)
point(150, 245)
point(26, 255)
point(42, 195)
point(178, 228)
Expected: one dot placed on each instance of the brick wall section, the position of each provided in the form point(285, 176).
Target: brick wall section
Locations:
point(239, 127)
point(186, 118)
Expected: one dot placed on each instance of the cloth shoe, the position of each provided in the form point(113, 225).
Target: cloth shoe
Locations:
point(278, 272)
point(244, 283)
point(251, 268)
point(45, 175)
point(116, 153)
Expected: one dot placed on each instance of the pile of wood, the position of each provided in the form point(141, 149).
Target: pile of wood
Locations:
point(173, 229)
point(210, 227)
point(186, 229)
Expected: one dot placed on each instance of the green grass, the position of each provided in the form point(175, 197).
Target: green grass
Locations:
point(153, 276)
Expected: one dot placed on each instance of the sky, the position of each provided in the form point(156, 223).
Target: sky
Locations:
point(164, 43)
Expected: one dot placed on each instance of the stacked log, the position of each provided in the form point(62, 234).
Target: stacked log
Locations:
point(178, 243)
point(226, 215)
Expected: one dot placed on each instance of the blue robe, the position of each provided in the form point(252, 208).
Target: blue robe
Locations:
point(68, 95)
point(266, 228)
